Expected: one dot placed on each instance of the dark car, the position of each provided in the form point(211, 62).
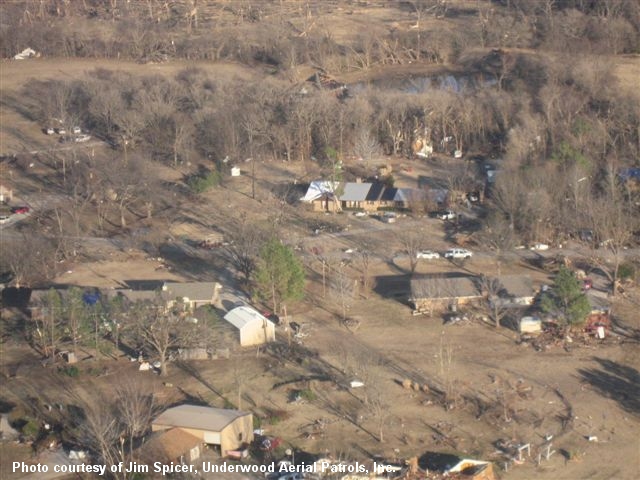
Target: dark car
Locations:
point(20, 210)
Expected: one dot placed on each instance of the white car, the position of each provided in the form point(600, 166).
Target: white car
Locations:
point(49, 131)
point(360, 214)
point(428, 255)
point(446, 215)
point(540, 246)
point(458, 253)
point(76, 130)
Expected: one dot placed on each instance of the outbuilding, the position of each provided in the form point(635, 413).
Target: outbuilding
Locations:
point(254, 328)
point(230, 429)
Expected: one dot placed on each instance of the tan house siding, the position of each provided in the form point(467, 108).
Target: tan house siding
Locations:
point(234, 435)
point(252, 334)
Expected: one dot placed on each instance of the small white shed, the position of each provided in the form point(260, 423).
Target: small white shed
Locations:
point(254, 328)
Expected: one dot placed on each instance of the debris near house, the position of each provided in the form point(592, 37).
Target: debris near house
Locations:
point(69, 357)
point(530, 325)
point(422, 148)
point(472, 470)
point(513, 451)
point(352, 324)
point(325, 82)
point(598, 324)
point(26, 53)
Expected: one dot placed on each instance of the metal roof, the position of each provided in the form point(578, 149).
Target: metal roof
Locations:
point(242, 316)
point(198, 418)
point(318, 188)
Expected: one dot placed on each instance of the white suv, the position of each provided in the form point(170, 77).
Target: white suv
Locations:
point(458, 253)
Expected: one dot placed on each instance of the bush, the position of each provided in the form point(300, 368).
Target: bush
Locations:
point(202, 183)
point(70, 371)
point(626, 271)
point(30, 428)
point(257, 422)
point(307, 394)
point(276, 416)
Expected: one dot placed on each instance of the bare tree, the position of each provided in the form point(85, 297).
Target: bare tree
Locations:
point(366, 146)
point(364, 255)
point(412, 241)
point(493, 289)
point(343, 288)
point(111, 427)
point(245, 239)
point(160, 330)
point(48, 320)
point(137, 406)
point(614, 220)
point(76, 316)
point(29, 257)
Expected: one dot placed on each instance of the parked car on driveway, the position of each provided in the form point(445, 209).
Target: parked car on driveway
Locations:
point(20, 210)
point(457, 253)
point(76, 130)
point(428, 255)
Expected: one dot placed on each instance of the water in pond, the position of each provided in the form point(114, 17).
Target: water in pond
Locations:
point(423, 83)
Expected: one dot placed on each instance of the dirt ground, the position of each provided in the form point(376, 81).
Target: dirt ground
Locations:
point(590, 390)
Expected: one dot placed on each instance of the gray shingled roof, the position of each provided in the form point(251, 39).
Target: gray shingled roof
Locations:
point(194, 291)
point(518, 286)
point(437, 287)
point(198, 418)
point(355, 192)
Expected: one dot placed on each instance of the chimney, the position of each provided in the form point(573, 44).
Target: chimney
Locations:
point(358, 180)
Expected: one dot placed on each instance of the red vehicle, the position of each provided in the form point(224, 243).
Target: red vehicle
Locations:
point(587, 284)
point(20, 210)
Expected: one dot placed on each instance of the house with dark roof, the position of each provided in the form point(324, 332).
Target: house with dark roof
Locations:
point(226, 428)
point(516, 291)
point(443, 291)
point(190, 294)
point(372, 200)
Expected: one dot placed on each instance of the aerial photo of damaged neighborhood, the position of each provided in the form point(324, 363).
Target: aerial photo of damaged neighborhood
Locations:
point(320, 239)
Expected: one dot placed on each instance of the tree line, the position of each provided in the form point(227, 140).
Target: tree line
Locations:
point(285, 34)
